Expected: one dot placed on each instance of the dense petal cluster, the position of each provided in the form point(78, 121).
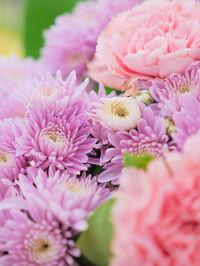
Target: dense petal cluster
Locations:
point(17, 75)
point(154, 39)
point(187, 121)
point(156, 218)
point(168, 93)
point(59, 135)
point(148, 134)
point(71, 42)
point(10, 163)
point(56, 206)
point(36, 238)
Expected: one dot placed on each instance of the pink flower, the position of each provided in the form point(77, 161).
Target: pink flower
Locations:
point(71, 42)
point(117, 113)
point(151, 40)
point(150, 136)
point(61, 193)
point(16, 77)
point(10, 164)
point(187, 120)
point(156, 218)
point(56, 129)
point(60, 140)
point(35, 237)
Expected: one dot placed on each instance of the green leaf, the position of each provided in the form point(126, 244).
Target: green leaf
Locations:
point(138, 161)
point(95, 242)
point(39, 15)
point(109, 90)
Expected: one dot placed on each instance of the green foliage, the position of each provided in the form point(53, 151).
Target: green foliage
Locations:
point(95, 242)
point(138, 161)
point(39, 15)
point(109, 90)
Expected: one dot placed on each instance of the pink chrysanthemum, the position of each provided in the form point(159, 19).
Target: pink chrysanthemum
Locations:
point(98, 131)
point(62, 192)
point(168, 93)
point(35, 237)
point(7, 190)
point(55, 208)
point(61, 140)
point(16, 75)
point(150, 136)
point(156, 218)
point(10, 164)
point(187, 121)
point(71, 42)
point(54, 92)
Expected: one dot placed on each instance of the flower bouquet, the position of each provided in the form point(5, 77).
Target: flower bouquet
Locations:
point(100, 142)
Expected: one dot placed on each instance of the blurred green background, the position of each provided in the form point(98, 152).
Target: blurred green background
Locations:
point(22, 23)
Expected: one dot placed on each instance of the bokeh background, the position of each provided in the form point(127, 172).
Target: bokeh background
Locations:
point(22, 23)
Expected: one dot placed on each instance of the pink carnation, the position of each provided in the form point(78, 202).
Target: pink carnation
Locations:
point(151, 40)
point(156, 218)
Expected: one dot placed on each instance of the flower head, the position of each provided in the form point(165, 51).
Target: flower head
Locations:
point(151, 40)
point(186, 120)
point(60, 140)
point(118, 113)
point(169, 93)
point(62, 193)
point(16, 77)
point(10, 164)
point(150, 136)
point(57, 131)
point(71, 42)
point(156, 218)
point(35, 238)
point(40, 226)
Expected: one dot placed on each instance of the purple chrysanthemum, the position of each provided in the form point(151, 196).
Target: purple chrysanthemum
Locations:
point(56, 129)
point(16, 75)
point(10, 164)
point(168, 93)
point(150, 136)
point(62, 192)
point(54, 92)
point(71, 42)
point(35, 237)
point(187, 121)
point(61, 140)
point(7, 190)
point(99, 132)
point(53, 210)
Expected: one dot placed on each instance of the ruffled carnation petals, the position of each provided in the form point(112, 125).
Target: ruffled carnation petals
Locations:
point(132, 52)
point(71, 42)
point(157, 218)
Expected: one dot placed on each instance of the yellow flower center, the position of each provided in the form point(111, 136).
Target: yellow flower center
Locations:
point(41, 249)
point(75, 188)
point(3, 158)
point(183, 89)
point(47, 92)
point(56, 137)
point(119, 109)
